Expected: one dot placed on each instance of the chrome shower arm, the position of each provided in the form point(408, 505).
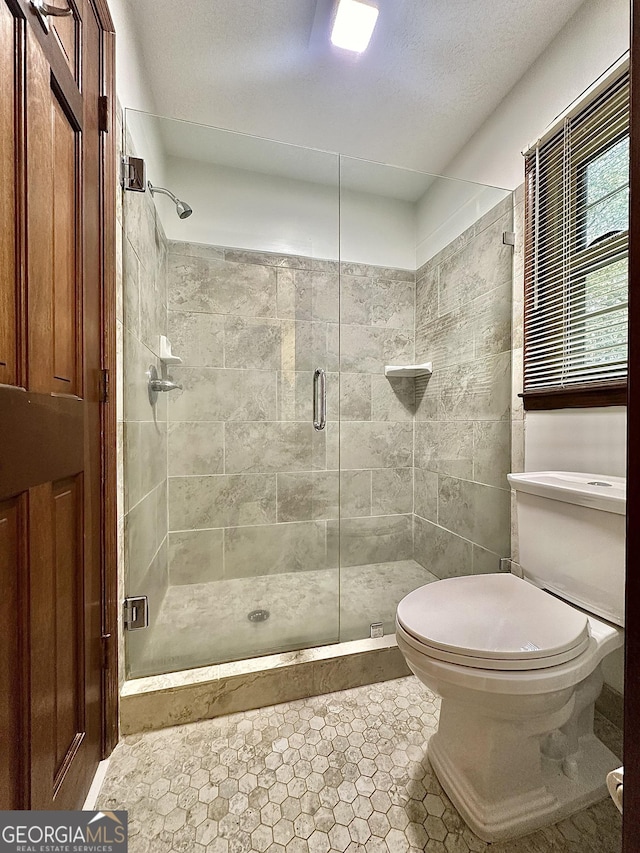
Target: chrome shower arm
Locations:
point(153, 190)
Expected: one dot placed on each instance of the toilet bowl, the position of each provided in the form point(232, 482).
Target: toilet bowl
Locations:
point(518, 670)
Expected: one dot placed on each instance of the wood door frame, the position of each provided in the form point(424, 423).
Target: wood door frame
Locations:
point(109, 520)
point(631, 814)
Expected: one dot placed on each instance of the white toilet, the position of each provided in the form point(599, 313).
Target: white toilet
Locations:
point(516, 659)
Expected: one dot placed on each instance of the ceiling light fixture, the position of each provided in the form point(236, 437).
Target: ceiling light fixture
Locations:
point(353, 25)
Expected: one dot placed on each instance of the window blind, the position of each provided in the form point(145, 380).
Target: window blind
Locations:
point(576, 246)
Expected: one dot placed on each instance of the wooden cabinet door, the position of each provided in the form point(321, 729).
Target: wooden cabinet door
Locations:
point(50, 444)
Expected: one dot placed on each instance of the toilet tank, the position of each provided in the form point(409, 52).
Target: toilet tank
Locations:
point(571, 535)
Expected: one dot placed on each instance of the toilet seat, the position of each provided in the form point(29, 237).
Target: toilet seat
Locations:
point(495, 622)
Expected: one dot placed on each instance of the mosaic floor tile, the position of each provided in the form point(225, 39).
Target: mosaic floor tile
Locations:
point(341, 773)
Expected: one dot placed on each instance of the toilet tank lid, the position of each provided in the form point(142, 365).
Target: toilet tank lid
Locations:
point(598, 491)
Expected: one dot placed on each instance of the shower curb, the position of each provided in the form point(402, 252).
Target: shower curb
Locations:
point(176, 698)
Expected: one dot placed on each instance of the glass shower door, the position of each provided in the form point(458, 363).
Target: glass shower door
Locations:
point(245, 517)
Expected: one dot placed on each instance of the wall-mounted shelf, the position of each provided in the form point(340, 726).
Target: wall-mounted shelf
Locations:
point(408, 371)
point(166, 356)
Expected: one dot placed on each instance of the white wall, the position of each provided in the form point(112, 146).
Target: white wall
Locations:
point(588, 44)
point(377, 230)
point(588, 440)
point(132, 85)
point(251, 210)
point(446, 210)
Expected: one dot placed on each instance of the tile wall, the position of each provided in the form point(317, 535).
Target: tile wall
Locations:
point(142, 428)
point(463, 413)
point(376, 415)
point(253, 488)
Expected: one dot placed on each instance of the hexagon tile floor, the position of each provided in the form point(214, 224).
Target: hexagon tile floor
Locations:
point(341, 772)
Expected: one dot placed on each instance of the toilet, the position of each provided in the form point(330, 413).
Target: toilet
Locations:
point(516, 659)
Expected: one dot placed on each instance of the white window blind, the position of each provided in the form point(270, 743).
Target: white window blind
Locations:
point(576, 246)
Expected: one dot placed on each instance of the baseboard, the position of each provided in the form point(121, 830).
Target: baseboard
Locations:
point(610, 704)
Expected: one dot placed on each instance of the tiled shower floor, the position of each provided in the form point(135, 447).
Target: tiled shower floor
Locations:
point(341, 772)
point(201, 624)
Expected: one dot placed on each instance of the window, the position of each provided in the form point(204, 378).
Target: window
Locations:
point(576, 242)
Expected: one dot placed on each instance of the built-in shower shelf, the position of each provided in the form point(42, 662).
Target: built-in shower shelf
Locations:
point(408, 371)
point(166, 356)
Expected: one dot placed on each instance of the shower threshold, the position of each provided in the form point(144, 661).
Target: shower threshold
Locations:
point(175, 698)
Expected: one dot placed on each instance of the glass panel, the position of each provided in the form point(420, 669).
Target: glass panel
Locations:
point(232, 517)
point(425, 277)
point(598, 334)
point(607, 192)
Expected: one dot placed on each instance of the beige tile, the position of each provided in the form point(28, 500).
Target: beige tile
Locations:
point(198, 339)
point(492, 323)
point(144, 535)
point(391, 491)
point(376, 445)
point(425, 494)
point(273, 548)
point(308, 295)
point(379, 539)
point(478, 390)
point(195, 556)
point(295, 396)
point(492, 452)
point(480, 266)
point(426, 299)
point(445, 447)
point(137, 359)
point(485, 561)
point(440, 551)
point(365, 349)
point(195, 448)
point(130, 288)
point(392, 399)
point(355, 494)
point(196, 250)
point(210, 394)
point(261, 447)
point(355, 397)
point(308, 495)
point(221, 501)
point(252, 343)
point(449, 339)
point(221, 287)
point(476, 512)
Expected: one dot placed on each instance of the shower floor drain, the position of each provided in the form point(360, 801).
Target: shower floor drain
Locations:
point(258, 616)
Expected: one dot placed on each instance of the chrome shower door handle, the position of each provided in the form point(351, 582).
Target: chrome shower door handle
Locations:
point(319, 399)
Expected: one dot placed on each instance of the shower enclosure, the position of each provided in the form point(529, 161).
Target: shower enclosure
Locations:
point(280, 491)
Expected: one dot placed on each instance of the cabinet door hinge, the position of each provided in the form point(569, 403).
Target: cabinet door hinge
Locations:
point(104, 386)
point(103, 113)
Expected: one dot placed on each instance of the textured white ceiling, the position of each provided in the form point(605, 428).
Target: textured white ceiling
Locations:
point(434, 71)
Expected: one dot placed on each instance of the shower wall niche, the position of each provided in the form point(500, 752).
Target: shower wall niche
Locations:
point(270, 534)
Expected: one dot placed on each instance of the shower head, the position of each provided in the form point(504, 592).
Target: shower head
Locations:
point(182, 208)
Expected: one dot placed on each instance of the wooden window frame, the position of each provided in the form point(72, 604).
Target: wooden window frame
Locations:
point(583, 394)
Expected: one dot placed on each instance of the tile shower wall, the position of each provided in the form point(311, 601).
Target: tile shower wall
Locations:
point(142, 318)
point(462, 423)
point(253, 488)
point(376, 415)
